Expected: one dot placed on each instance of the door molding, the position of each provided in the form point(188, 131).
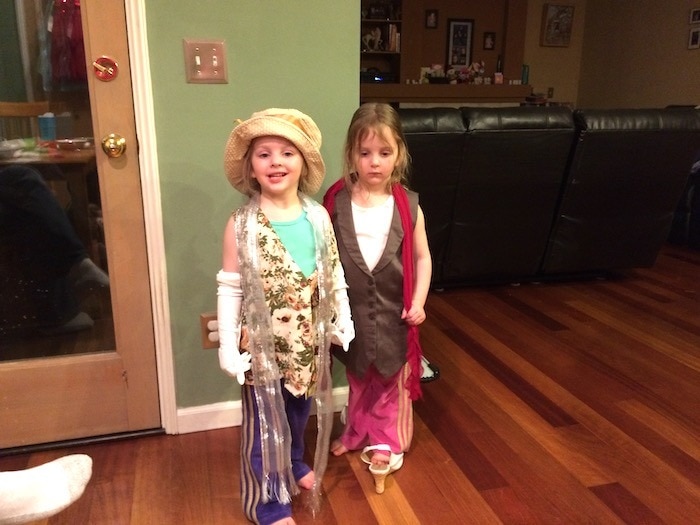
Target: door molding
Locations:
point(153, 218)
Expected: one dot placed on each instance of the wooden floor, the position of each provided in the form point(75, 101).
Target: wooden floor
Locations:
point(558, 403)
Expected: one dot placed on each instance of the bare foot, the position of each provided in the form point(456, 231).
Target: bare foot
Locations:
point(337, 448)
point(285, 521)
point(379, 459)
point(307, 482)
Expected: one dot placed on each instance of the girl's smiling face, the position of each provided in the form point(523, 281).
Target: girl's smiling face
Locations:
point(276, 164)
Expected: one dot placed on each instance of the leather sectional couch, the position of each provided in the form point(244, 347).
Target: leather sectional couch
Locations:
point(540, 193)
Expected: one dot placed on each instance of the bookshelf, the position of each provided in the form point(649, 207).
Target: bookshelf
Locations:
point(380, 42)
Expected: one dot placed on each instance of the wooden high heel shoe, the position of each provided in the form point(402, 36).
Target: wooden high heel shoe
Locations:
point(381, 471)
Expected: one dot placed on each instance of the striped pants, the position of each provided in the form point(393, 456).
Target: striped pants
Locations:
point(297, 410)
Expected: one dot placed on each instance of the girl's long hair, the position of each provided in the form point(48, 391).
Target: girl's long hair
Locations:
point(379, 118)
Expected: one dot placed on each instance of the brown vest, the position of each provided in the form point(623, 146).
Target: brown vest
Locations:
point(376, 297)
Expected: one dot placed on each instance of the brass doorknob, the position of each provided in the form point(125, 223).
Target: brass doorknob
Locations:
point(114, 145)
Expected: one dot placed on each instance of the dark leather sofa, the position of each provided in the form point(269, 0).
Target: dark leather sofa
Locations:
point(685, 228)
point(535, 193)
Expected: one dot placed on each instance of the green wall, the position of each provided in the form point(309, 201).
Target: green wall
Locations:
point(279, 53)
point(11, 76)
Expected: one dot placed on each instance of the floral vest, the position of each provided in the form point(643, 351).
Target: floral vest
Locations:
point(291, 298)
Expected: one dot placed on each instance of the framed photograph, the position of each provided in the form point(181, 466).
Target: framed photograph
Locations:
point(489, 40)
point(695, 16)
point(460, 33)
point(557, 21)
point(694, 38)
point(431, 18)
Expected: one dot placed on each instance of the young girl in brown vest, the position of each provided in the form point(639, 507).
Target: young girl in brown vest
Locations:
point(383, 247)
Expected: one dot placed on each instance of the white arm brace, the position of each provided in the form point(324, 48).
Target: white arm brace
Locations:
point(229, 299)
point(344, 330)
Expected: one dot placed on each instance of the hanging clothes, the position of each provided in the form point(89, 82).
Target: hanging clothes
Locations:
point(68, 71)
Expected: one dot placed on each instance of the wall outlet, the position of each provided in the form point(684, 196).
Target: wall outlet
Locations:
point(550, 92)
point(205, 61)
point(209, 330)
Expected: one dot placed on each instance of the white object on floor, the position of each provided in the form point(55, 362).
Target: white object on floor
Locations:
point(87, 272)
point(81, 321)
point(39, 492)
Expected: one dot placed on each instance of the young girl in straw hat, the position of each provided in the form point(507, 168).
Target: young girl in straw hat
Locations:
point(281, 299)
point(384, 250)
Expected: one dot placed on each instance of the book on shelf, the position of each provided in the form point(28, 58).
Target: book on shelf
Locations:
point(393, 39)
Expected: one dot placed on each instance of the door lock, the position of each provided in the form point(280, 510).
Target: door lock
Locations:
point(114, 145)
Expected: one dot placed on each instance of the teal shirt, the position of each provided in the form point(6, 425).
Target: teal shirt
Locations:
point(298, 238)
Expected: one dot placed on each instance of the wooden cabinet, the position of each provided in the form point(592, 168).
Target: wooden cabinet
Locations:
point(380, 42)
point(454, 94)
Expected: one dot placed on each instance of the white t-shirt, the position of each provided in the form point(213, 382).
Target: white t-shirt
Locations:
point(372, 229)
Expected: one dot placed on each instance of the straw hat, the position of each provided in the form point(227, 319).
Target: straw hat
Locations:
point(290, 124)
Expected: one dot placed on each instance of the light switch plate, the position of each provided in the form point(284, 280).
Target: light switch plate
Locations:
point(205, 61)
point(205, 323)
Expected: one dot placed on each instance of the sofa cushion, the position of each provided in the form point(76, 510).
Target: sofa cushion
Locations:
point(626, 176)
point(435, 140)
point(508, 190)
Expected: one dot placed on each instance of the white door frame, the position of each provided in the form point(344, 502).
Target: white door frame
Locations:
point(153, 218)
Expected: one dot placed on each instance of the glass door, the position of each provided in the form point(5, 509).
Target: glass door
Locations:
point(77, 352)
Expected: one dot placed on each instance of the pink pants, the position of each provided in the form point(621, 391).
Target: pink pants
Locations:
point(379, 411)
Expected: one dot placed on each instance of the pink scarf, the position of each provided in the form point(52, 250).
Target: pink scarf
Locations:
point(414, 352)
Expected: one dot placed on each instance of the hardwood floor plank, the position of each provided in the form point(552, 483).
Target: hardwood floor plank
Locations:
point(156, 464)
point(642, 327)
point(391, 507)
point(223, 466)
point(625, 505)
point(453, 433)
point(344, 495)
point(584, 454)
point(592, 341)
point(513, 448)
point(659, 442)
point(607, 432)
point(437, 488)
point(493, 365)
point(508, 505)
point(675, 431)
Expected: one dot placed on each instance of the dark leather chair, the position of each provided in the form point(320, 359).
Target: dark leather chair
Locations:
point(435, 139)
point(685, 227)
point(507, 192)
point(627, 174)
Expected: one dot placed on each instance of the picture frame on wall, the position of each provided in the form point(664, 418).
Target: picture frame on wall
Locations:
point(695, 16)
point(460, 34)
point(431, 18)
point(557, 23)
point(694, 38)
point(489, 40)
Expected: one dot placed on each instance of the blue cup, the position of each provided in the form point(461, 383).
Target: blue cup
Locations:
point(47, 127)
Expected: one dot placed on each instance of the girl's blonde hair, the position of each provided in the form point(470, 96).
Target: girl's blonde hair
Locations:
point(375, 117)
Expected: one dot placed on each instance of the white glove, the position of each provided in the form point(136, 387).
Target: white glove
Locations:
point(229, 299)
point(344, 329)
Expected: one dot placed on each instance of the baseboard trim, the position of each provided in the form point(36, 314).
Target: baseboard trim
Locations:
point(228, 414)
